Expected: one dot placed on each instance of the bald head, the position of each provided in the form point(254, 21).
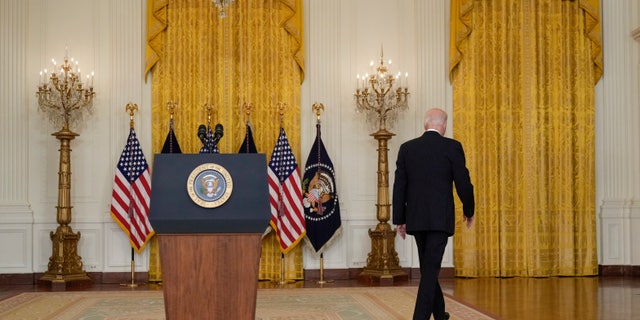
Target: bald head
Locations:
point(435, 119)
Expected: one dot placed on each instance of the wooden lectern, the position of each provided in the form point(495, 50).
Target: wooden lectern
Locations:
point(209, 212)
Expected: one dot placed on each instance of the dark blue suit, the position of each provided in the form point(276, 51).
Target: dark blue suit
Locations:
point(426, 170)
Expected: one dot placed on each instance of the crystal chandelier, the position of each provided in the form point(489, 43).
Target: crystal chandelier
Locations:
point(221, 5)
point(62, 95)
point(381, 93)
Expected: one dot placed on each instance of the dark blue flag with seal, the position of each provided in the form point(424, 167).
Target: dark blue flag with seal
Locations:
point(171, 144)
point(248, 145)
point(320, 197)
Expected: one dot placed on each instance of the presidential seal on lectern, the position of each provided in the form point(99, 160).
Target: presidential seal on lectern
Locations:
point(209, 185)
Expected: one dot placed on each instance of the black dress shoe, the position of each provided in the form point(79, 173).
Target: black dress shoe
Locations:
point(446, 316)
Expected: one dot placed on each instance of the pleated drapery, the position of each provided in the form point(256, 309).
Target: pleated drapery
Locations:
point(254, 56)
point(524, 75)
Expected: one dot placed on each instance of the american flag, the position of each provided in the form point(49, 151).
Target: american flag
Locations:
point(312, 197)
point(285, 195)
point(131, 194)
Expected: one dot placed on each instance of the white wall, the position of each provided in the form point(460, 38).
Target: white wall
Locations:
point(342, 36)
point(617, 134)
point(106, 37)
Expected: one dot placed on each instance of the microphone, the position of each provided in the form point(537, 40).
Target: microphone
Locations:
point(202, 133)
point(218, 133)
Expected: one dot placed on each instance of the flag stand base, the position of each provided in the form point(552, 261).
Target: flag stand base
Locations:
point(283, 281)
point(133, 283)
point(322, 280)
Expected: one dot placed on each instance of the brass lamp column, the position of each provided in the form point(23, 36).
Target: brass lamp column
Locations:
point(65, 99)
point(375, 95)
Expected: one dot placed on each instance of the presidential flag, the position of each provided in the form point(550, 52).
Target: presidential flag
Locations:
point(171, 144)
point(285, 195)
point(248, 145)
point(320, 201)
point(131, 194)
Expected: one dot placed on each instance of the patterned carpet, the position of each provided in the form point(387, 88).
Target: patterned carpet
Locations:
point(273, 304)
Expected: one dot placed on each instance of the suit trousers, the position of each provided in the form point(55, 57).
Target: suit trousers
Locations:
point(431, 245)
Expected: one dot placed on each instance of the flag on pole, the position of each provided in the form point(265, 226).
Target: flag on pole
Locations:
point(320, 201)
point(285, 195)
point(248, 145)
point(131, 194)
point(171, 144)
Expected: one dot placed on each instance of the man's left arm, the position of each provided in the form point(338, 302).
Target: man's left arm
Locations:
point(462, 180)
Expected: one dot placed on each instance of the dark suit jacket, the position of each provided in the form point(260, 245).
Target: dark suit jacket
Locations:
point(426, 170)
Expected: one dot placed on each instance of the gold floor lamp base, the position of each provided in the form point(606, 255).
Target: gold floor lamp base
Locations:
point(383, 265)
point(65, 266)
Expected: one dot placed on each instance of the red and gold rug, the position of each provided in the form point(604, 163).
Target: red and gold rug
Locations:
point(283, 304)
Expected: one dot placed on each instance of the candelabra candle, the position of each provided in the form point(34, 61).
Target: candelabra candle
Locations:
point(380, 97)
point(62, 96)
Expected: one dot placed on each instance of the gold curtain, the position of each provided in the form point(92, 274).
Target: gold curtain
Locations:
point(523, 75)
point(254, 55)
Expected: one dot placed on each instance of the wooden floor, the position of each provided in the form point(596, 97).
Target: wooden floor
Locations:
point(584, 298)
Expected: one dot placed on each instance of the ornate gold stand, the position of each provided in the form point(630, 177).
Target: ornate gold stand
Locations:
point(383, 264)
point(65, 266)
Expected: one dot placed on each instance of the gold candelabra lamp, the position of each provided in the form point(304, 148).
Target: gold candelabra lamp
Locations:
point(65, 100)
point(381, 95)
